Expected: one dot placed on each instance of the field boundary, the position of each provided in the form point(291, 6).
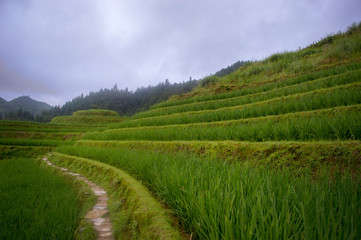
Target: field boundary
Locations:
point(296, 155)
point(98, 215)
point(133, 211)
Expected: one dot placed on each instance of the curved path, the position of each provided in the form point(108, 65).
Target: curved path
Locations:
point(99, 214)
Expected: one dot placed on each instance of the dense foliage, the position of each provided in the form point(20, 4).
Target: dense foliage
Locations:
point(22, 108)
point(215, 200)
point(122, 101)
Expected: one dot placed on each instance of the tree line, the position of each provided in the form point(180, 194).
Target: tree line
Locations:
point(122, 101)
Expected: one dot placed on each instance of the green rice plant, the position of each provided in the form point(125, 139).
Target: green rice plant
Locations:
point(278, 82)
point(298, 156)
point(39, 127)
point(216, 200)
point(86, 120)
point(134, 212)
point(95, 112)
point(35, 203)
point(11, 151)
point(89, 118)
point(327, 82)
point(64, 136)
point(339, 123)
point(34, 142)
point(318, 99)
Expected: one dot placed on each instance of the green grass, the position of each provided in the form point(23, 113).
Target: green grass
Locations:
point(90, 118)
point(318, 99)
point(327, 82)
point(34, 142)
point(59, 136)
point(341, 123)
point(38, 127)
point(94, 112)
point(247, 88)
point(86, 120)
point(35, 203)
point(12, 151)
point(298, 156)
point(134, 213)
point(215, 200)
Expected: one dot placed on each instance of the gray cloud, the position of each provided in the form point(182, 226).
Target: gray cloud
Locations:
point(59, 49)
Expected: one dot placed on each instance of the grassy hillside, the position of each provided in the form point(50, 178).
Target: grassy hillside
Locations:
point(258, 153)
point(269, 151)
point(93, 117)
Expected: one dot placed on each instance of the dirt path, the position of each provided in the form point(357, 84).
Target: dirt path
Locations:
point(99, 214)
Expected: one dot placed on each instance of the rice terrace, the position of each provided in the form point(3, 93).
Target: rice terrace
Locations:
point(271, 150)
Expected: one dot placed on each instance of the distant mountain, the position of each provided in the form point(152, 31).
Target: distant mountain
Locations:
point(2, 101)
point(25, 103)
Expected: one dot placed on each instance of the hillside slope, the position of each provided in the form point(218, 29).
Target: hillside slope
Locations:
point(269, 151)
point(25, 103)
point(87, 118)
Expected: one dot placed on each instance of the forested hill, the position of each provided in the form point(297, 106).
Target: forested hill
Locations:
point(17, 108)
point(123, 101)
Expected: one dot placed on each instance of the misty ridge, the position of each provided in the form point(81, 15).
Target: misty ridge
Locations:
point(123, 101)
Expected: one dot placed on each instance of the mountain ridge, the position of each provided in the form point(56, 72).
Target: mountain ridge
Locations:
point(26, 103)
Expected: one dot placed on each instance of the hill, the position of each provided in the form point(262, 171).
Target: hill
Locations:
point(25, 103)
point(269, 151)
point(122, 101)
point(261, 147)
point(93, 117)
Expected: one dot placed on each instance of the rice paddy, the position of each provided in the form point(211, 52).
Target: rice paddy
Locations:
point(270, 151)
point(35, 203)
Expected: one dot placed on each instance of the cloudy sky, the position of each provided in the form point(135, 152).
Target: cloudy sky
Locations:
point(56, 50)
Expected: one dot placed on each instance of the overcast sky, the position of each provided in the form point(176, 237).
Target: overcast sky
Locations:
point(56, 50)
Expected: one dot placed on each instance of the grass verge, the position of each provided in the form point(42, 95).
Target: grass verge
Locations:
point(134, 212)
point(11, 151)
point(298, 156)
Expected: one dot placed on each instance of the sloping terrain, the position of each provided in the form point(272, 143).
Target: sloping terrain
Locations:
point(25, 103)
point(86, 118)
point(270, 151)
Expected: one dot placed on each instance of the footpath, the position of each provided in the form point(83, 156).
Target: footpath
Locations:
point(99, 214)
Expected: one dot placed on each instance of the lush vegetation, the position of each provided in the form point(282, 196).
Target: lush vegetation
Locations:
point(303, 87)
point(215, 200)
point(93, 118)
point(95, 112)
point(22, 108)
point(122, 101)
point(340, 123)
point(134, 212)
point(264, 150)
point(318, 99)
point(297, 156)
point(18, 151)
point(253, 187)
point(40, 127)
point(35, 203)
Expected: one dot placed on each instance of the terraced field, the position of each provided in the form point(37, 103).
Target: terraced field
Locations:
point(135, 213)
point(270, 151)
